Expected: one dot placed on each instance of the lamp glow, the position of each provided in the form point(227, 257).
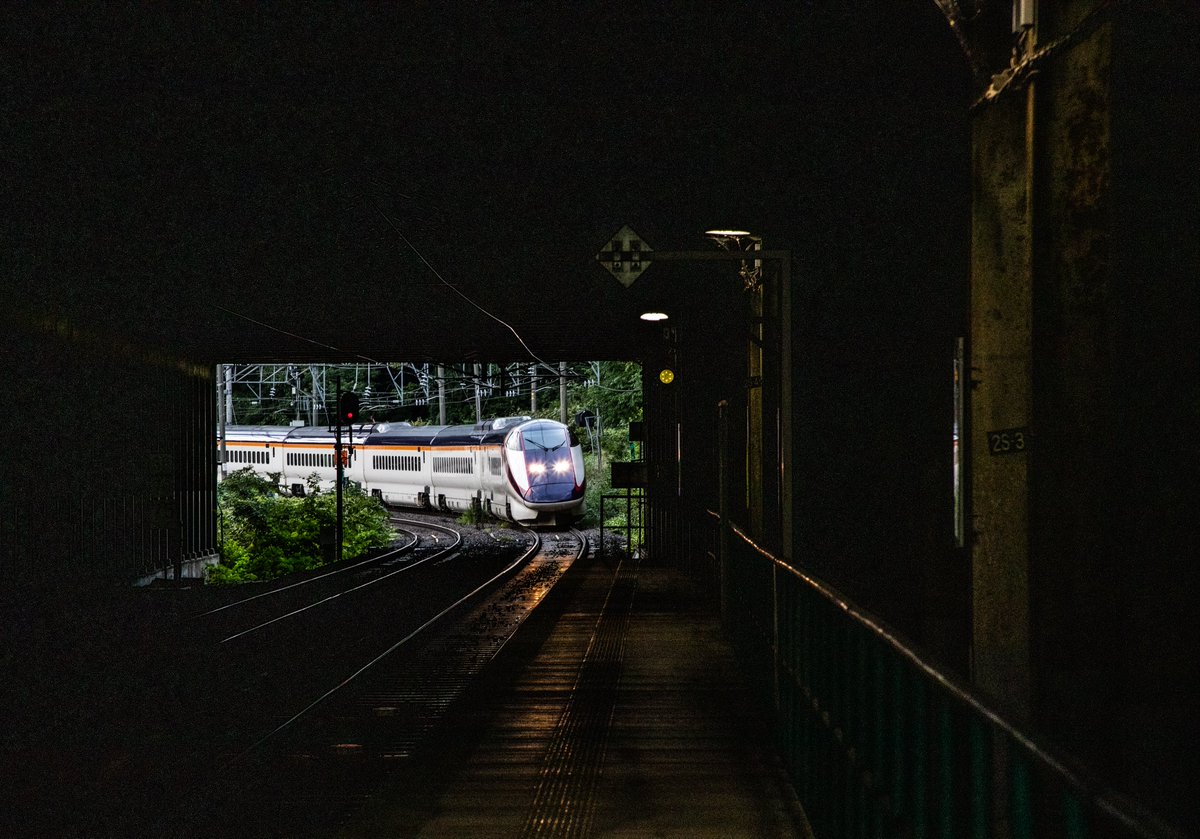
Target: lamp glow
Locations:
point(653, 316)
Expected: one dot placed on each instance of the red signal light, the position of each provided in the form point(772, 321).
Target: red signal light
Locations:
point(348, 408)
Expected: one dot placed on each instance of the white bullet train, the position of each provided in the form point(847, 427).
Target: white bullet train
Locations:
point(516, 468)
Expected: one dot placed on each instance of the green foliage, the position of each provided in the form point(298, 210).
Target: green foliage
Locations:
point(597, 485)
point(612, 389)
point(473, 517)
point(266, 535)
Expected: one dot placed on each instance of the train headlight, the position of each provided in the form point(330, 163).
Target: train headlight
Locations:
point(537, 469)
point(561, 467)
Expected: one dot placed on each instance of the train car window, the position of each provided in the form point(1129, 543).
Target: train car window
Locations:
point(454, 465)
point(397, 462)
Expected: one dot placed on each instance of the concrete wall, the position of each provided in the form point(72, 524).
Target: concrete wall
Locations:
point(108, 472)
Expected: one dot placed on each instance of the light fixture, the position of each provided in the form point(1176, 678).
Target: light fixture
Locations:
point(653, 316)
point(731, 240)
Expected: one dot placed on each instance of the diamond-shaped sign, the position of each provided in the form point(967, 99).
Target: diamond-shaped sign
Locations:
point(625, 256)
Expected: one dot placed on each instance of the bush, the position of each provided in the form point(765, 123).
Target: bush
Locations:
point(264, 535)
point(473, 516)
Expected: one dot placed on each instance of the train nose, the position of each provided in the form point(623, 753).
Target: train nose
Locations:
point(551, 479)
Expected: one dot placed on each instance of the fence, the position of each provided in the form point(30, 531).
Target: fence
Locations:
point(879, 743)
point(634, 503)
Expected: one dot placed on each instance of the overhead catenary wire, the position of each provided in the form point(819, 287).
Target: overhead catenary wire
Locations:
point(458, 291)
point(282, 331)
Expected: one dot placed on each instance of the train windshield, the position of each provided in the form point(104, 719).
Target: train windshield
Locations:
point(538, 436)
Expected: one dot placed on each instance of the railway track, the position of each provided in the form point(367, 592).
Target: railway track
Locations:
point(401, 637)
point(290, 599)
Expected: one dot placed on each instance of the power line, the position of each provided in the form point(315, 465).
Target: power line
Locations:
point(292, 334)
point(457, 291)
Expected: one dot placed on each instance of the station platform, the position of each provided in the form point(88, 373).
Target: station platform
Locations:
point(618, 711)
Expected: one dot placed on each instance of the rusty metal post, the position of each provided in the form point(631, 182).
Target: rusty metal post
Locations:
point(754, 408)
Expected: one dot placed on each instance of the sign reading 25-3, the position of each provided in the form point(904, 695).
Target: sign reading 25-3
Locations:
point(1008, 441)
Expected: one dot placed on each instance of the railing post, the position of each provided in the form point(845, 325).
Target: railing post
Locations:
point(723, 507)
point(981, 773)
point(1074, 820)
point(899, 746)
point(1022, 795)
point(945, 775)
point(920, 734)
point(878, 751)
point(775, 635)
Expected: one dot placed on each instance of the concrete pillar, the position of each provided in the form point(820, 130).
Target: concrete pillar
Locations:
point(1040, 375)
point(1082, 332)
point(1001, 355)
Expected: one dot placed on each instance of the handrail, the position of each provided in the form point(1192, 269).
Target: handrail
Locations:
point(1127, 813)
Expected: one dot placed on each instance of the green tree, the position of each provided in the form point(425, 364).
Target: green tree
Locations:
point(265, 535)
point(612, 391)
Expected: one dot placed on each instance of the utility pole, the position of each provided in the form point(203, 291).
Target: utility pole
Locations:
point(478, 396)
point(222, 416)
point(562, 392)
point(441, 374)
point(296, 393)
point(533, 389)
point(337, 460)
point(318, 391)
point(229, 393)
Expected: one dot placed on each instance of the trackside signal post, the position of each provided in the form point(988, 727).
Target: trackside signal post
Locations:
point(347, 412)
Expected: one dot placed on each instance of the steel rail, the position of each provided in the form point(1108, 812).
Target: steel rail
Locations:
point(438, 555)
point(520, 560)
point(396, 551)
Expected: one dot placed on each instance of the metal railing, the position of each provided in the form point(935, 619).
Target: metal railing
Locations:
point(634, 503)
point(879, 742)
